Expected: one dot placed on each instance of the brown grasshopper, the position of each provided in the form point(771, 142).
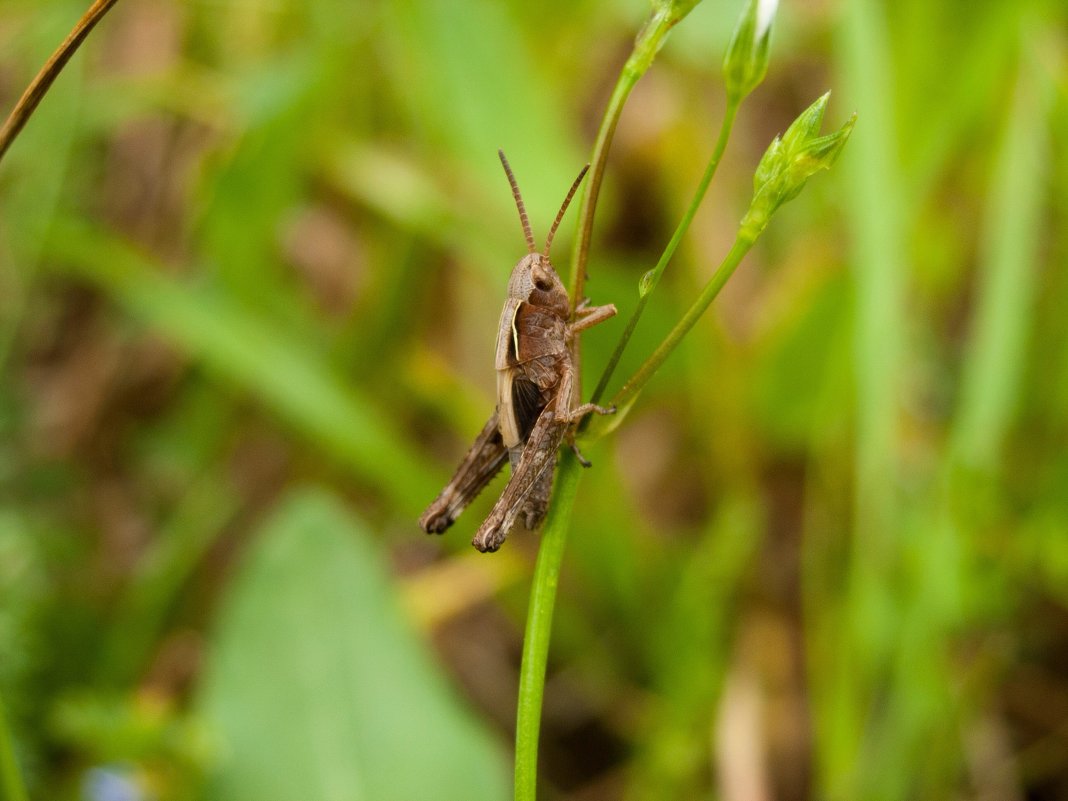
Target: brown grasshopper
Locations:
point(535, 383)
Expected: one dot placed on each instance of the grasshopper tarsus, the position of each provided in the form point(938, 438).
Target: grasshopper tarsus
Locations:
point(582, 460)
point(437, 524)
point(488, 544)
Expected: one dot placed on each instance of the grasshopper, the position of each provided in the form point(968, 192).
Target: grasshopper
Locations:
point(535, 383)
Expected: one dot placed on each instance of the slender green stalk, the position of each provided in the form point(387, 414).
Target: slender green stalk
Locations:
point(554, 538)
point(652, 278)
point(10, 778)
point(37, 89)
point(629, 391)
point(648, 43)
point(539, 626)
point(550, 555)
point(580, 253)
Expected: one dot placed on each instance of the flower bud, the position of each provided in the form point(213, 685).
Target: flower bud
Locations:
point(808, 122)
point(746, 61)
point(790, 161)
point(665, 15)
point(675, 9)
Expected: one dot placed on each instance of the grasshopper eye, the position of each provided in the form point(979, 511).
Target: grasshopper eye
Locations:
point(542, 276)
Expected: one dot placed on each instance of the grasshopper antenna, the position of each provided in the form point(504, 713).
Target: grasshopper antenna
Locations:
point(563, 210)
point(518, 202)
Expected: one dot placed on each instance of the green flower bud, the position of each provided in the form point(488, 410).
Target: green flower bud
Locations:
point(768, 164)
point(808, 123)
point(746, 61)
point(664, 16)
point(675, 10)
point(789, 162)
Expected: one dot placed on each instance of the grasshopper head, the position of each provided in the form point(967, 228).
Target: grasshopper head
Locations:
point(534, 280)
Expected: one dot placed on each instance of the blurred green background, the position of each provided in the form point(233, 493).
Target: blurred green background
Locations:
point(251, 261)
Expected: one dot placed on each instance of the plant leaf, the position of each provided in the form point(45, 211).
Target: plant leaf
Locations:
point(252, 351)
point(318, 689)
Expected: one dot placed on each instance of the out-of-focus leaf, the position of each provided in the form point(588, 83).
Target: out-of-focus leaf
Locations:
point(260, 182)
point(10, 778)
point(196, 525)
point(450, 48)
point(1009, 269)
point(244, 348)
point(802, 363)
point(317, 688)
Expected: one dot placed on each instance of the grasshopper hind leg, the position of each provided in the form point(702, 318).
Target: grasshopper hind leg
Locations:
point(536, 505)
point(482, 462)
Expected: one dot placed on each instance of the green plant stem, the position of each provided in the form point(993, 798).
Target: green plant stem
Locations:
point(629, 391)
point(10, 778)
point(581, 250)
point(40, 85)
point(554, 538)
point(551, 553)
point(648, 43)
point(672, 246)
point(539, 626)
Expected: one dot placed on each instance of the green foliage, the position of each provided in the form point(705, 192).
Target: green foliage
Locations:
point(315, 687)
point(247, 248)
point(746, 61)
point(242, 348)
point(789, 162)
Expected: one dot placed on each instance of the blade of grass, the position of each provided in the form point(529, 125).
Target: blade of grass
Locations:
point(876, 219)
point(243, 348)
point(1008, 270)
point(10, 778)
point(875, 216)
point(978, 65)
point(944, 548)
point(141, 612)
